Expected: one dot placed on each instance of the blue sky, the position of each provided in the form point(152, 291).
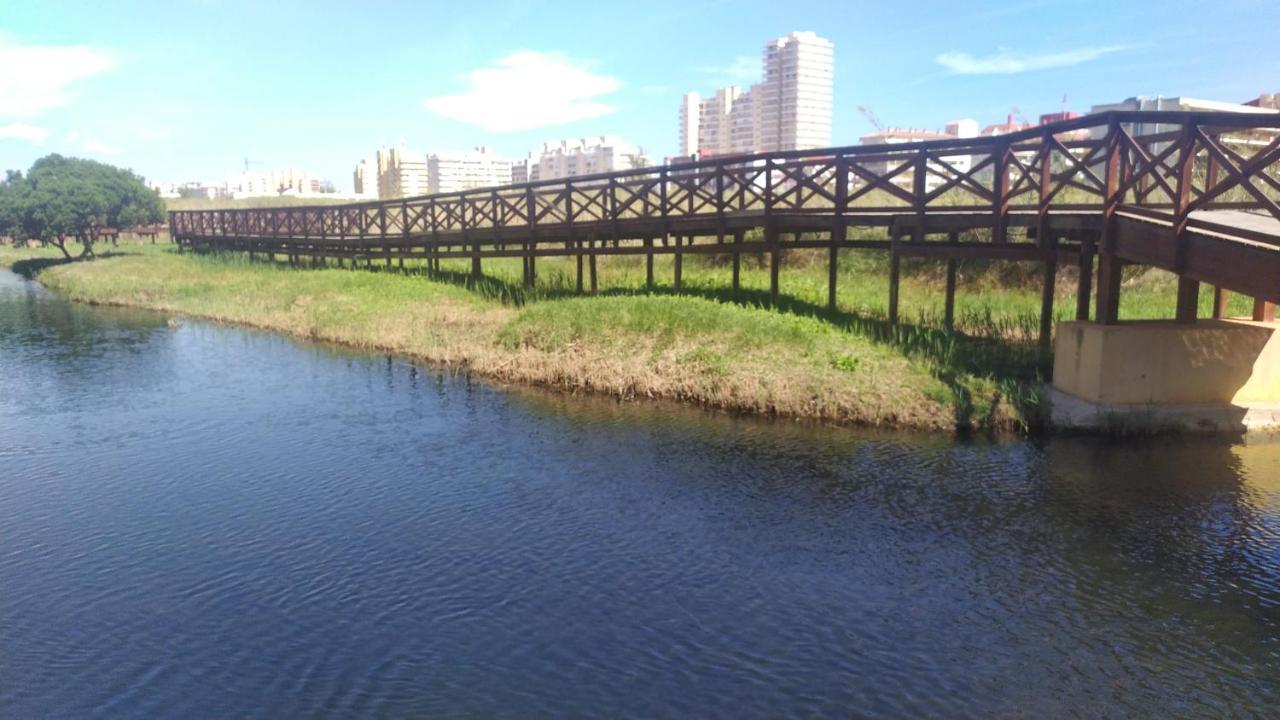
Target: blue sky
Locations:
point(186, 90)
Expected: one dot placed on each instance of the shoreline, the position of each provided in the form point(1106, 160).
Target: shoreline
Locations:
point(717, 356)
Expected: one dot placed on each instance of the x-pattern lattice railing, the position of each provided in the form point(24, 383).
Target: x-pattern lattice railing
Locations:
point(1195, 162)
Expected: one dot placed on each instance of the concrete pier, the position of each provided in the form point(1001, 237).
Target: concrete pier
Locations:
point(1208, 376)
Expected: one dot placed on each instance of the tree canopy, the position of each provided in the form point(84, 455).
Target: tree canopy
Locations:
point(61, 199)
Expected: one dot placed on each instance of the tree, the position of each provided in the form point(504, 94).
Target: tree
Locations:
point(62, 199)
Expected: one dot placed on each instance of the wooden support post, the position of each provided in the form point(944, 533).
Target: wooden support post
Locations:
point(832, 268)
point(737, 261)
point(533, 264)
point(648, 262)
point(1048, 285)
point(1188, 289)
point(1000, 192)
point(1220, 298)
point(1084, 284)
point(1188, 299)
point(775, 263)
point(1108, 310)
point(895, 266)
point(578, 255)
point(475, 261)
point(949, 312)
point(1108, 302)
point(1264, 311)
point(679, 263)
point(838, 230)
point(591, 245)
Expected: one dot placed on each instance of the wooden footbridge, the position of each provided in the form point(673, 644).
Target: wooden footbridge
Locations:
point(1199, 197)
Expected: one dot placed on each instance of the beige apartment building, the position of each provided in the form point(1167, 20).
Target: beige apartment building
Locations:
point(789, 109)
point(401, 173)
point(398, 173)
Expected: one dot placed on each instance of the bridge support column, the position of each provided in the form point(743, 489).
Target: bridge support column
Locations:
point(1214, 375)
point(1220, 298)
point(775, 262)
point(578, 256)
point(949, 310)
point(1084, 284)
point(833, 259)
point(1264, 311)
point(679, 262)
point(895, 270)
point(737, 262)
point(591, 245)
point(1108, 310)
point(1048, 285)
point(1188, 300)
point(648, 263)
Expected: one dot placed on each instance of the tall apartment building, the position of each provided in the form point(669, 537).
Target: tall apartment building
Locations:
point(586, 156)
point(789, 109)
point(456, 171)
point(795, 95)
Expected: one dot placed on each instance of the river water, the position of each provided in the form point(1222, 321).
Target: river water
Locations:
point(202, 521)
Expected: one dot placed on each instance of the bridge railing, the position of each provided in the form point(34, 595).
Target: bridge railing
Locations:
point(1166, 164)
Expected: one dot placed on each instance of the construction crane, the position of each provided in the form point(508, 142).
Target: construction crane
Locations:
point(871, 117)
point(248, 162)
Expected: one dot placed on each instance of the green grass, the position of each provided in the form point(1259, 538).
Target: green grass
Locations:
point(706, 344)
point(202, 203)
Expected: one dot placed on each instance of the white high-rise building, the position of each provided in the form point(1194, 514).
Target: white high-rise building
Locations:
point(365, 179)
point(690, 113)
point(789, 109)
point(795, 96)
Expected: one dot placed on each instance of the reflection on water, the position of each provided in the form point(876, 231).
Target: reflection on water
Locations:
point(205, 521)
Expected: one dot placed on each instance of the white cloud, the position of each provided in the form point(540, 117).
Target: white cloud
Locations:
point(527, 90)
point(35, 78)
point(22, 131)
point(743, 70)
point(1007, 62)
point(94, 147)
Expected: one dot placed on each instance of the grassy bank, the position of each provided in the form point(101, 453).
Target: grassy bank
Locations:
point(703, 345)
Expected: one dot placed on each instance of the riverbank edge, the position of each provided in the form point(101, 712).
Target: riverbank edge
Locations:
point(570, 378)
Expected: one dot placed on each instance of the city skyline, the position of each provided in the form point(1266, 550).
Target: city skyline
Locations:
point(176, 106)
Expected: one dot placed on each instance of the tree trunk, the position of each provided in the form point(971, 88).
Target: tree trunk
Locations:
point(61, 244)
